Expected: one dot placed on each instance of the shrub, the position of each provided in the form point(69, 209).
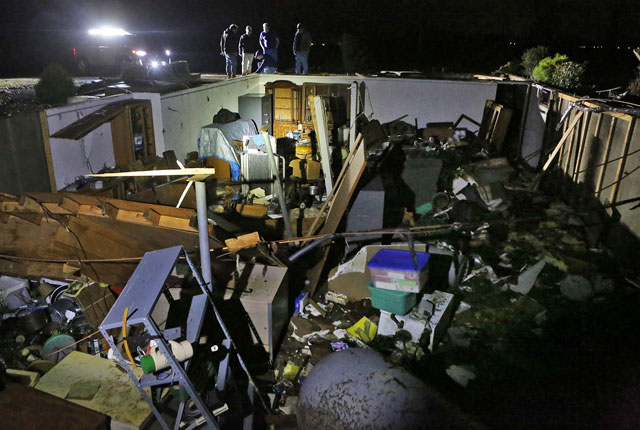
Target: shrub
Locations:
point(544, 71)
point(512, 67)
point(568, 74)
point(55, 85)
point(531, 57)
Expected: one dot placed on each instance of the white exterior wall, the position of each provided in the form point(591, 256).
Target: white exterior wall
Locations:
point(185, 112)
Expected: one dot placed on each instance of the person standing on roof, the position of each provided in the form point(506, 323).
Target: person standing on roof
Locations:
point(229, 48)
point(246, 47)
point(301, 48)
point(269, 43)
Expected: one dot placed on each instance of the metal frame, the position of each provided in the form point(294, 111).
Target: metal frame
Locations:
point(140, 295)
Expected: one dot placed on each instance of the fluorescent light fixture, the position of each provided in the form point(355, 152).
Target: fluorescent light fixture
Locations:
point(108, 32)
point(140, 53)
point(167, 52)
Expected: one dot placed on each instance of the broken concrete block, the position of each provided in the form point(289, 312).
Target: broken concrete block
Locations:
point(576, 288)
point(527, 279)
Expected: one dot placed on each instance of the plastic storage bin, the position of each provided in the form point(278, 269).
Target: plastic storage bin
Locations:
point(396, 302)
point(392, 269)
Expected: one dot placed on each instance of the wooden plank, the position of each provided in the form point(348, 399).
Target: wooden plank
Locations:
point(566, 134)
point(342, 198)
point(322, 133)
point(166, 172)
point(605, 156)
point(244, 241)
point(44, 125)
point(566, 156)
point(570, 98)
point(623, 159)
point(581, 144)
point(122, 138)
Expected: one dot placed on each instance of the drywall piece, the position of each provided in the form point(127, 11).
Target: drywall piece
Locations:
point(117, 396)
point(351, 278)
point(527, 279)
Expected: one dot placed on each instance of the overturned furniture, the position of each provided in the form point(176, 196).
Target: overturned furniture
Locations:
point(137, 306)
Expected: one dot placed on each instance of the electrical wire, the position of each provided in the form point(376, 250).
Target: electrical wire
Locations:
point(124, 337)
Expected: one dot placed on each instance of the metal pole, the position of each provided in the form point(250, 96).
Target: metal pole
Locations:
point(203, 233)
point(278, 185)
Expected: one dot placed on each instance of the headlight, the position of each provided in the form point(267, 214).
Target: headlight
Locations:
point(141, 53)
point(108, 32)
point(154, 64)
point(167, 52)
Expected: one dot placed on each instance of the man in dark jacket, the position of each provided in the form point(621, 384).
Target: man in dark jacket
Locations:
point(229, 48)
point(247, 46)
point(301, 48)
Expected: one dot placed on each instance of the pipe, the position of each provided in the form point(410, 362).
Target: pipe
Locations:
point(203, 233)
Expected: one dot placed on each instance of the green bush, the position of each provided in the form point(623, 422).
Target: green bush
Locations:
point(531, 57)
point(55, 85)
point(568, 74)
point(545, 69)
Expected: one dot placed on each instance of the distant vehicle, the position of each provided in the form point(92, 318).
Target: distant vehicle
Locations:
point(109, 49)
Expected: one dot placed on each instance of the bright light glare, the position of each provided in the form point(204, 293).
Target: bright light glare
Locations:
point(154, 64)
point(141, 53)
point(167, 52)
point(108, 32)
point(164, 63)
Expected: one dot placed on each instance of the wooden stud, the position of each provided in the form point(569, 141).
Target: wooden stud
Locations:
point(605, 156)
point(581, 144)
point(560, 144)
point(44, 126)
point(623, 159)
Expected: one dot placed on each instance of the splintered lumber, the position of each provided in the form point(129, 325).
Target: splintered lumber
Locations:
point(244, 241)
point(344, 191)
point(48, 234)
point(165, 172)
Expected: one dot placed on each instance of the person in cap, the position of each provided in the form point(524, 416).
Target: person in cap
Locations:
point(301, 47)
point(229, 48)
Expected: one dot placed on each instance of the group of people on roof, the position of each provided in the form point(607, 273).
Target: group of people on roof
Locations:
point(263, 49)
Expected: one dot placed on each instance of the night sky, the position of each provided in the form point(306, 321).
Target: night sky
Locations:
point(454, 35)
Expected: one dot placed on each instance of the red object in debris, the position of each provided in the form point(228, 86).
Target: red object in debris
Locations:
point(117, 290)
point(75, 52)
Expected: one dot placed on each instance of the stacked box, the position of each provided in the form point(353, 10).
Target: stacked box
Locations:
point(393, 269)
point(396, 302)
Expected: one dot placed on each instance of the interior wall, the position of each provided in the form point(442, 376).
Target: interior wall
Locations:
point(185, 112)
